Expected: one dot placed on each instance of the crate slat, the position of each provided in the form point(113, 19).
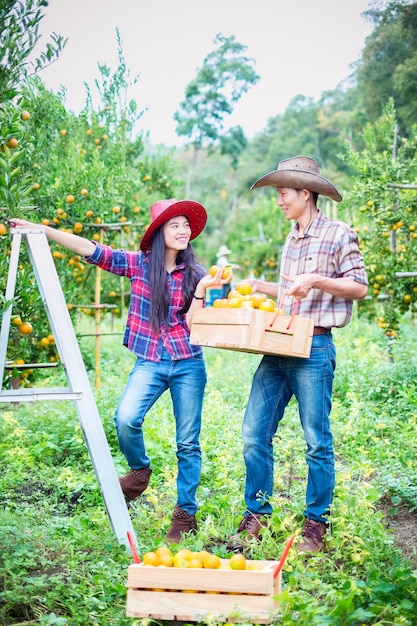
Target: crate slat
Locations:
point(229, 595)
point(251, 330)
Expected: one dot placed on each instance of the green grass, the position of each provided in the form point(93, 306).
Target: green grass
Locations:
point(60, 563)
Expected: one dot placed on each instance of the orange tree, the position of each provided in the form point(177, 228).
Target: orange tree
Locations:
point(384, 205)
point(88, 174)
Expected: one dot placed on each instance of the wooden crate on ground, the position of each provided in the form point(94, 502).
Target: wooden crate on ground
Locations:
point(226, 595)
point(252, 330)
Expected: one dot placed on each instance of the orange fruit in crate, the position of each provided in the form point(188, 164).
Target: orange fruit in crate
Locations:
point(257, 299)
point(194, 562)
point(233, 303)
point(150, 558)
point(167, 560)
point(201, 555)
point(244, 288)
point(211, 561)
point(163, 550)
point(267, 305)
point(238, 561)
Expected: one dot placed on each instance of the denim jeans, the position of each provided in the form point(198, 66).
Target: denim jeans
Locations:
point(276, 380)
point(186, 380)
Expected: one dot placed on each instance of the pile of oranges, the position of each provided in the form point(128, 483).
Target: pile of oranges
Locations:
point(242, 297)
point(163, 557)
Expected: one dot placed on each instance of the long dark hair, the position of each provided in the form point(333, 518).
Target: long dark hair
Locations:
point(160, 295)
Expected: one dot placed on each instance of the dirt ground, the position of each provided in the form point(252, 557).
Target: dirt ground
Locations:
point(403, 525)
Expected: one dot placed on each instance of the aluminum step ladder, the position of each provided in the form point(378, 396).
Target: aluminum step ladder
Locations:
point(79, 389)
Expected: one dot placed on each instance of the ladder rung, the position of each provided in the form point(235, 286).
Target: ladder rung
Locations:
point(31, 394)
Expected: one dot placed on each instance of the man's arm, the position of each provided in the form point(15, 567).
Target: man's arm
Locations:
point(345, 287)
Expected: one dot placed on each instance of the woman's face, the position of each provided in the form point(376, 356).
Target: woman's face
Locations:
point(177, 233)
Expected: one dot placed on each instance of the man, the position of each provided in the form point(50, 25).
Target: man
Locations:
point(322, 272)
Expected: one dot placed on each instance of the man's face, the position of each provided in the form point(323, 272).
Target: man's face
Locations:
point(293, 202)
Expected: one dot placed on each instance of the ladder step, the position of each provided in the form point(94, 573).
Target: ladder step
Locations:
point(32, 394)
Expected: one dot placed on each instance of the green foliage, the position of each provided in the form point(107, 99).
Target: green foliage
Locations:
point(388, 62)
point(59, 562)
point(383, 204)
point(88, 174)
point(19, 34)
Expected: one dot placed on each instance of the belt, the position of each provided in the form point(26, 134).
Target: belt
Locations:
point(319, 330)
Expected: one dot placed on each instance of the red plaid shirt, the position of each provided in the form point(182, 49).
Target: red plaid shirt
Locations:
point(139, 336)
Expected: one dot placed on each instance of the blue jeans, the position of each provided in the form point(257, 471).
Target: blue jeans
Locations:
point(186, 380)
point(276, 380)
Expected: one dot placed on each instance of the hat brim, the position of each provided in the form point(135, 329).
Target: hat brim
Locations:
point(195, 212)
point(299, 179)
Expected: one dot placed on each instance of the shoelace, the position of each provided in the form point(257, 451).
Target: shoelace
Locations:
point(312, 531)
point(251, 524)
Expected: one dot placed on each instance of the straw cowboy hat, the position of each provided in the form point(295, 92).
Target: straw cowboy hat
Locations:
point(163, 210)
point(223, 251)
point(299, 172)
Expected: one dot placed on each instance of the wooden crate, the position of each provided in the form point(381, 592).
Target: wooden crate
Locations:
point(251, 330)
point(225, 594)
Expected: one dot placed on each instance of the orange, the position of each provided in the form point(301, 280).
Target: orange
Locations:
point(201, 555)
point(150, 558)
point(63, 132)
point(17, 321)
point(78, 227)
point(226, 271)
point(167, 560)
point(244, 288)
point(89, 213)
point(213, 270)
point(12, 143)
point(163, 551)
point(25, 116)
point(25, 328)
point(3, 229)
point(233, 293)
point(233, 303)
point(180, 561)
point(70, 198)
point(267, 305)
point(238, 561)
point(84, 192)
point(257, 299)
point(195, 563)
point(184, 553)
point(116, 209)
point(246, 305)
point(36, 186)
point(211, 561)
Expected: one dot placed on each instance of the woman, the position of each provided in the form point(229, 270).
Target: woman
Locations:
point(167, 285)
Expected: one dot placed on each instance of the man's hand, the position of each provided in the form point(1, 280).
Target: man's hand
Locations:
point(302, 284)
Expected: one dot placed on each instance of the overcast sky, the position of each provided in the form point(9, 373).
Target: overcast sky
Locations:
point(299, 47)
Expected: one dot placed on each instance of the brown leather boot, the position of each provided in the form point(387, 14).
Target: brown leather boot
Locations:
point(249, 528)
point(182, 522)
point(313, 536)
point(135, 482)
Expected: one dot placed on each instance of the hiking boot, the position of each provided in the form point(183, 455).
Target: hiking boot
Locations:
point(313, 536)
point(249, 528)
point(182, 522)
point(135, 482)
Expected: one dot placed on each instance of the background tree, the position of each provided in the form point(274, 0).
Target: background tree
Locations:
point(225, 76)
point(388, 66)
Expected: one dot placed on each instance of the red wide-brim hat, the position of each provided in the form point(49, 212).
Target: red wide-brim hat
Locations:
point(164, 210)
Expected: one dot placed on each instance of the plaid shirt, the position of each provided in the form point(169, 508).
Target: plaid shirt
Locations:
point(331, 249)
point(139, 336)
